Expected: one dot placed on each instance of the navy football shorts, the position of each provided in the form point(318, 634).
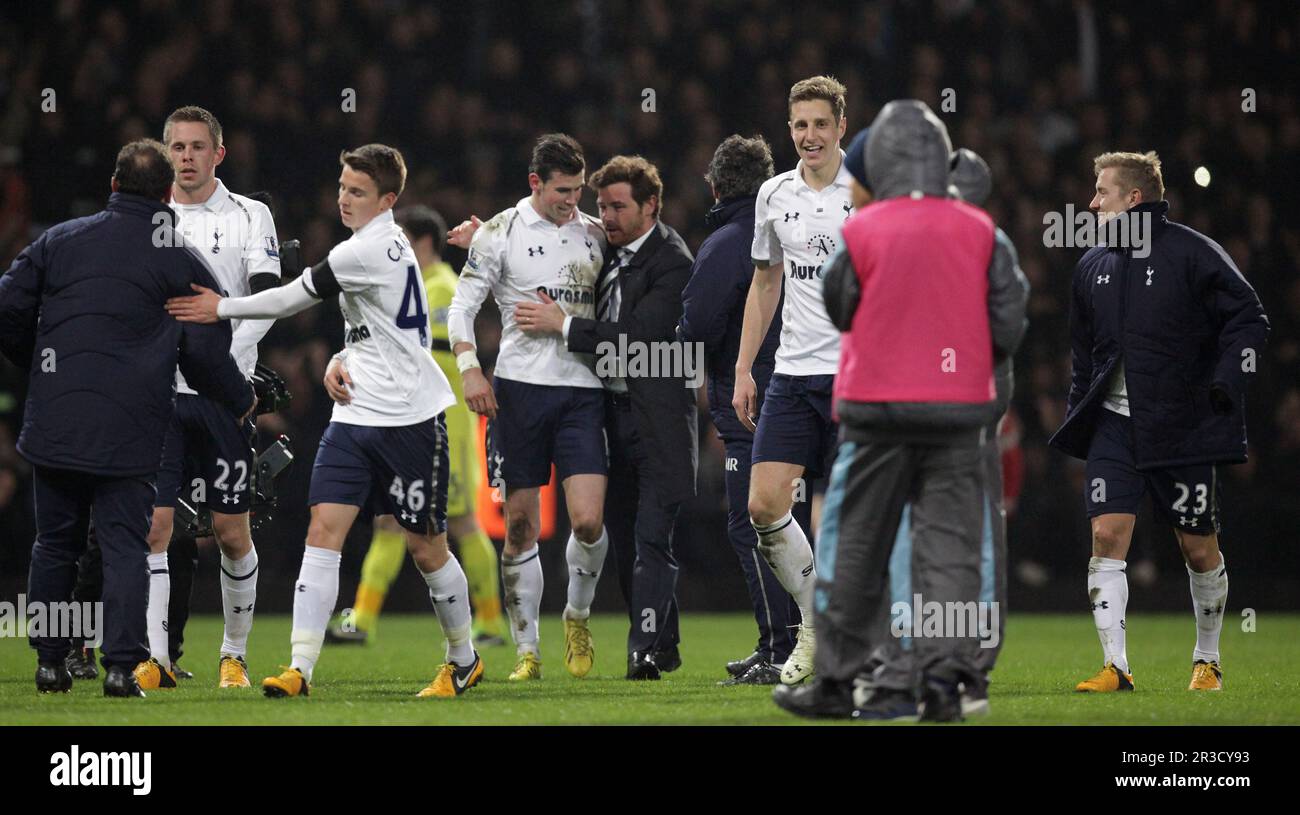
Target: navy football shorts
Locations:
point(795, 425)
point(540, 424)
point(207, 457)
point(1187, 496)
point(398, 471)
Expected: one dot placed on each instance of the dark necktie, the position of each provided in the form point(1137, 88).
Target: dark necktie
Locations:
point(607, 285)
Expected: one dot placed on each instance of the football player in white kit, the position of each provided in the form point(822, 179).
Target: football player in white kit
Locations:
point(797, 221)
point(546, 403)
point(207, 455)
point(386, 450)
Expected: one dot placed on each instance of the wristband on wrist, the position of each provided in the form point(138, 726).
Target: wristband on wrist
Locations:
point(467, 359)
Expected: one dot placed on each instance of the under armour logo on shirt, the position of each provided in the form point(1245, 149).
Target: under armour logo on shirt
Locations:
point(1103, 278)
point(791, 216)
point(539, 250)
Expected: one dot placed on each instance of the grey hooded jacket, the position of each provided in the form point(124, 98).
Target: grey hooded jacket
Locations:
point(908, 153)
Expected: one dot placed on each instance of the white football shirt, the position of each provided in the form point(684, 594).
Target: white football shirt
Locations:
point(395, 381)
point(236, 236)
point(513, 255)
point(800, 229)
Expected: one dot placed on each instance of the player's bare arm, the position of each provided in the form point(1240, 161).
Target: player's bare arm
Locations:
point(478, 391)
point(760, 308)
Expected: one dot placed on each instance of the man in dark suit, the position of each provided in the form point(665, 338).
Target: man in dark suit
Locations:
point(82, 308)
point(650, 415)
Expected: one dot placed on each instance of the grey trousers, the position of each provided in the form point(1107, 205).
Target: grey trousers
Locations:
point(993, 550)
point(942, 488)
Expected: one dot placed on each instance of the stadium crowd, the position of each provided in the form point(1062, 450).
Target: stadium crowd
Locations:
point(464, 91)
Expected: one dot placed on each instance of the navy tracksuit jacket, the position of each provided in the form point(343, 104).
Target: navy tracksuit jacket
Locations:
point(82, 308)
point(714, 301)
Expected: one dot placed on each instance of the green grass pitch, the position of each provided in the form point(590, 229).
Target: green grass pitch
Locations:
point(1045, 656)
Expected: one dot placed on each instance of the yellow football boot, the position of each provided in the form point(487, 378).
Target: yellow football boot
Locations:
point(1206, 676)
point(233, 671)
point(453, 680)
point(528, 667)
point(289, 683)
point(1108, 680)
point(579, 651)
point(151, 675)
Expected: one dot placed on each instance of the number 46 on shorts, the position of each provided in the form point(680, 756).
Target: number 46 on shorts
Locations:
point(411, 497)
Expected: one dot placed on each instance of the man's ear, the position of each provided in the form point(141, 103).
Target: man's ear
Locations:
point(112, 183)
point(220, 156)
point(387, 200)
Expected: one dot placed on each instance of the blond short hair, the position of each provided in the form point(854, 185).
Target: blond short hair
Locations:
point(820, 87)
point(1140, 171)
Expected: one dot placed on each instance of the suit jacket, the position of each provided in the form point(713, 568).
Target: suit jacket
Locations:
point(663, 406)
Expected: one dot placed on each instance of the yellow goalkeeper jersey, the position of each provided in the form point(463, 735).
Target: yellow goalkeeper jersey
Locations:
point(439, 287)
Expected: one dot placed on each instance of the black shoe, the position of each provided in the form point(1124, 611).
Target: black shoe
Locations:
point(641, 666)
point(81, 663)
point(338, 635)
point(181, 673)
point(53, 677)
point(887, 705)
point(760, 673)
point(940, 701)
point(818, 699)
point(738, 667)
point(121, 682)
point(667, 659)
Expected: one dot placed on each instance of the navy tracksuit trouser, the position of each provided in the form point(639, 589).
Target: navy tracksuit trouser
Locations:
point(123, 508)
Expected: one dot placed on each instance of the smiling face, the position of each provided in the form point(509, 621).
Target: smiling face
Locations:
point(556, 199)
point(1111, 196)
point(624, 219)
point(359, 198)
point(195, 159)
point(815, 132)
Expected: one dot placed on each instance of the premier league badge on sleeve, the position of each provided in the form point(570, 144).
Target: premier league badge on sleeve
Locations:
point(272, 250)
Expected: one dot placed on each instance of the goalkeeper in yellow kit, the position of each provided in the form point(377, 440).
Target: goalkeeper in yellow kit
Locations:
point(428, 235)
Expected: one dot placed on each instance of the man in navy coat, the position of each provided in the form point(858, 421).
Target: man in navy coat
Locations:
point(1165, 334)
point(82, 308)
point(713, 313)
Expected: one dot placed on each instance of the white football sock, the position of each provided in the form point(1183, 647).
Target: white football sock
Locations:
point(785, 547)
point(238, 595)
point(585, 562)
point(315, 594)
point(1209, 597)
point(1108, 593)
point(160, 592)
point(522, 577)
point(449, 591)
